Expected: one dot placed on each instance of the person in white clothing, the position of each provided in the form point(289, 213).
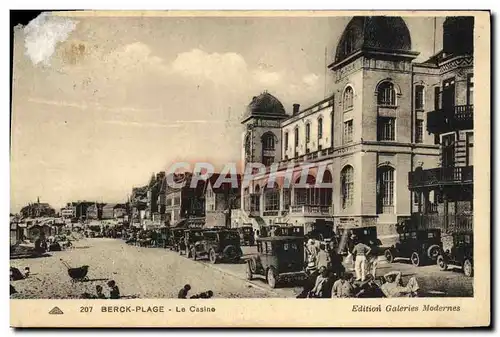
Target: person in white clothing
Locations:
point(360, 252)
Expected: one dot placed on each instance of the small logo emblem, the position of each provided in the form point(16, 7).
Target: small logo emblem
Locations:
point(56, 311)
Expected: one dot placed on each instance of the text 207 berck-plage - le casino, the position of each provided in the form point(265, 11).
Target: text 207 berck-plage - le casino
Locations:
point(403, 308)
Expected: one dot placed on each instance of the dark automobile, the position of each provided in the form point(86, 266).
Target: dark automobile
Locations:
point(366, 235)
point(218, 245)
point(272, 230)
point(191, 236)
point(292, 231)
point(247, 237)
point(419, 245)
point(460, 254)
point(278, 258)
point(175, 236)
point(320, 230)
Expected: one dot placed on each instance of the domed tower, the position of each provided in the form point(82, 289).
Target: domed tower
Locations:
point(262, 136)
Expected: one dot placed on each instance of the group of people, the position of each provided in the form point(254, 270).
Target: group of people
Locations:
point(183, 293)
point(327, 276)
point(114, 292)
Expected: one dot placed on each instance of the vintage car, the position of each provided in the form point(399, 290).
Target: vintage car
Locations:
point(218, 245)
point(278, 258)
point(247, 237)
point(191, 236)
point(293, 231)
point(320, 230)
point(366, 235)
point(460, 254)
point(175, 236)
point(421, 246)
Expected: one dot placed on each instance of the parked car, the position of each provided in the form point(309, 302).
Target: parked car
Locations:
point(460, 254)
point(293, 231)
point(421, 246)
point(175, 236)
point(320, 230)
point(278, 258)
point(218, 245)
point(191, 236)
point(247, 237)
point(366, 235)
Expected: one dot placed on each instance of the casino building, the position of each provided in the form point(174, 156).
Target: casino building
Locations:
point(372, 130)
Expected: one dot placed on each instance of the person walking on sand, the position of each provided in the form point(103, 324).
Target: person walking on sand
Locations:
point(359, 253)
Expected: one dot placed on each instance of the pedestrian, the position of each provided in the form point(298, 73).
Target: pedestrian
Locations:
point(99, 293)
point(369, 289)
point(393, 286)
point(322, 258)
point(372, 262)
point(359, 253)
point(336, 265)
point(114, 291)
point(319, 289)
point(184, 291)
point(342, 288)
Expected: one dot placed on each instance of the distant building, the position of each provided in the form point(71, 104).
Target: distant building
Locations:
point(69, 211)
point(108, 211)
point(38, 209)
point(184, 203)
point(94, 211)
point(119, 211)
point(220, 199)
point(138, 203)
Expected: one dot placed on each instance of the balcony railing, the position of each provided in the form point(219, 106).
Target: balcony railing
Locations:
point(441, 176)
point(458, 117)
point(310, 209)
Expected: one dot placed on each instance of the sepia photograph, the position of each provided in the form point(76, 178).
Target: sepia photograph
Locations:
point(245, 157)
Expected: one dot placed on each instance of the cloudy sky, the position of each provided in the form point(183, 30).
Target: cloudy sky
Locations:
point(99, 103)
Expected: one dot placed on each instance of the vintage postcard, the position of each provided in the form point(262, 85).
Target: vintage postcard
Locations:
point(251, 169)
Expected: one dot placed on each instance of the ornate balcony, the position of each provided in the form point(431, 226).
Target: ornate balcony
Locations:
point(458, 117)
point(452, 222)
point(310, 209)
point(441, 176)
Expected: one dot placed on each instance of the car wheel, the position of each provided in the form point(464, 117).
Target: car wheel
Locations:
point(415, 259)
point(272, 277)
point(249, 272)
point(433, 252)
point(388, 256)
point(468, 269)
point(193, 254)
point(441, 262)
point(212, 256)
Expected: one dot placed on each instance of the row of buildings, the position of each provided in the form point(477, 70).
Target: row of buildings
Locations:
point(87, 210)
point(396, 137)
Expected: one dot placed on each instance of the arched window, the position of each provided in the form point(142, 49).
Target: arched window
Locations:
point(386, 94)
point(385, 190)
point(325, 190)
point(348, 98)
point(268, 141)
point(320, 128)
point(347, 186)
point(308, 132)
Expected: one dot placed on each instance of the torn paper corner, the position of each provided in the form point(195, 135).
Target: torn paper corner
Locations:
point(43, 33)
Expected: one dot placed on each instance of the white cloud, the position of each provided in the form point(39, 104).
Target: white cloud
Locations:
point(267, 78)
point(310, 79)
point(43, 33)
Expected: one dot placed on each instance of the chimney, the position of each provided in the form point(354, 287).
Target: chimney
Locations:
point(296, 108)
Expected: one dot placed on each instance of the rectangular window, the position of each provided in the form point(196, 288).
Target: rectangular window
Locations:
point(320, 128)
point(272, 200)
point(267, 161)
point(348, 130)
point(386, 128)
point(296, 137)
point(470, 89)
point(419, 131)
point(419, 97)
point(286, 141)
point(437, 98)
point(448, 148)
point(470, 148)
point(308, 133)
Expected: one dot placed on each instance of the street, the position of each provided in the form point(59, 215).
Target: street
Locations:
point(160, 273)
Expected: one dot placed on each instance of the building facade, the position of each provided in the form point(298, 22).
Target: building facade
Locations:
point(361, 142)
point(37, 209)
point(94, 211)
point(220, 200)
point(443, 195)
point(184, 203)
